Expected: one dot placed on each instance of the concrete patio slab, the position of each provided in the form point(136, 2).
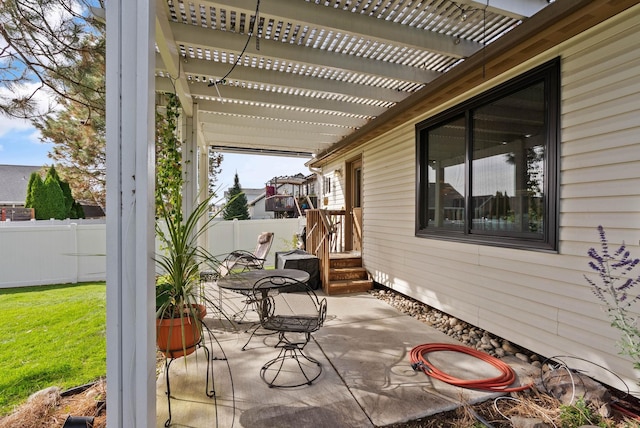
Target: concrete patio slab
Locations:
point(367, 378)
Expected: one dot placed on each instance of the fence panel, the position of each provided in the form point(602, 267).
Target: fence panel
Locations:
point(69, 251)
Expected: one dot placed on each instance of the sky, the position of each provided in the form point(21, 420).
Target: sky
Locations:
point(255, 170)
point(20, 145)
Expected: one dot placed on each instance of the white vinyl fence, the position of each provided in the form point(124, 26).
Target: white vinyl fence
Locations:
point(69, 251)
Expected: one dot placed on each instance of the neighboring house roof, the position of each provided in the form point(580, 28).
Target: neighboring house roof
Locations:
point(14, 180)
point(298, 179)
point(91, 211)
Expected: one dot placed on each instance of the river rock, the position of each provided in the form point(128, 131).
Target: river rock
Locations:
point(49, 397)
point(568, 388)
point(522, 422)
point(507, 346)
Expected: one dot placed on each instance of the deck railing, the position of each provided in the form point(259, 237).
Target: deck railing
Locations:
point(325, 235)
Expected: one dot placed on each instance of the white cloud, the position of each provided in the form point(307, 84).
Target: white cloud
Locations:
point(11, 124)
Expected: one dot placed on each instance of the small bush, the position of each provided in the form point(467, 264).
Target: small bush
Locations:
point(618, 275)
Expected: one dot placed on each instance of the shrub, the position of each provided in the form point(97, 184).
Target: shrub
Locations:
point(617, 277)
point(52, 197)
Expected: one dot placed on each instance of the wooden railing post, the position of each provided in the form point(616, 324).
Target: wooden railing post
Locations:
point(324, 231)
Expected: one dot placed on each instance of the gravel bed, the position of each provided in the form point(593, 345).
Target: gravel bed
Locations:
point(465, 333)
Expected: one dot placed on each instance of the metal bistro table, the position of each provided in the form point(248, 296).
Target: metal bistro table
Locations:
point(243, 282)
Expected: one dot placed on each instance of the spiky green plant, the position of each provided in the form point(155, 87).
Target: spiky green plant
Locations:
point(181, 258)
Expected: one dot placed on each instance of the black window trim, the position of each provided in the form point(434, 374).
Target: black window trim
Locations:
point(550, 73)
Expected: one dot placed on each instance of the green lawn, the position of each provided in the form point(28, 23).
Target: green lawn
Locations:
point(52, 335)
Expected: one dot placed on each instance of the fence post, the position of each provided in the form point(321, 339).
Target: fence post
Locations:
point(73, 227)
point(236, 233)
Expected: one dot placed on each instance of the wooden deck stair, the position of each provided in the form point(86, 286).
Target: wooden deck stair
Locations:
point(346, 275)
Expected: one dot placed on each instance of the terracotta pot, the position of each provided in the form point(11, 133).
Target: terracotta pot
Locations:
point(201, 310)
point(169, 335)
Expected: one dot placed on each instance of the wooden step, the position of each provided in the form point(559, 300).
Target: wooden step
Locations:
point(350, 286)
point(345, 273)
point(345, 262)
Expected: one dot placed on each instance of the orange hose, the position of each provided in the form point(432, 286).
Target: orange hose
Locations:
point(626, 412)
point(497, 384)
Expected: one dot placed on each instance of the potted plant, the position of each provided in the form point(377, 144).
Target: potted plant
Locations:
point(180, 302)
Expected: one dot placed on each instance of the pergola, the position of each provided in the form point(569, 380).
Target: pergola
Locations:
point(296, 77)
point(281, 77)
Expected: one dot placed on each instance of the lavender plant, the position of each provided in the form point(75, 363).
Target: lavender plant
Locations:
point(615, 288)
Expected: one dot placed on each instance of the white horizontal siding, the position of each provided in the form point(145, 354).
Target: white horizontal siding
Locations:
point(539, 300)
point(600, 189)
point(606, 155)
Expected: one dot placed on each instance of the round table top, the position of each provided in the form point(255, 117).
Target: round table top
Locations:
point(246, 280)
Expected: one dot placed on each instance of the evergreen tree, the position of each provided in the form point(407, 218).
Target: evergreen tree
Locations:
point(78, 138)
point(66, 190)
point(37, 191)
point(56, 44)
point(48, 199)
point(52, 197)
point(236, 203)
point(28, 203)
point(76, 210)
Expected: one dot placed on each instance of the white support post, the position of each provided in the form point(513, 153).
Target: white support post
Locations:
point(202, 169)
point(203, 157)
point(131, 401)
point(189, 163)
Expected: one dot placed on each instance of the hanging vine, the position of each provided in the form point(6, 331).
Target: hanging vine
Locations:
point(169, 178)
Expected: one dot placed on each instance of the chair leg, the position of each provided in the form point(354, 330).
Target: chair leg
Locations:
point(240, 315)
point(290, 352)
point(254, 332)
point(250, 337)
point(299, 353)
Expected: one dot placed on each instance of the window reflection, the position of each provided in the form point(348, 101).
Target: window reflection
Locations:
point(507, 163)
point(446, 194)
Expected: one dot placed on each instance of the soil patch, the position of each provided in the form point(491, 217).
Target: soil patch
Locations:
point(51, 407)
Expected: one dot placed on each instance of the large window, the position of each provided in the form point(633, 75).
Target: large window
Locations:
point(487, 168)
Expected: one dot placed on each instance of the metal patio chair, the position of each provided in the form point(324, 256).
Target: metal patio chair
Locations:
point(294, 317)
point(240, 261)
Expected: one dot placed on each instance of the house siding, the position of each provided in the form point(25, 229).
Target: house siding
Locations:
point(539, 300)
point(332, 199)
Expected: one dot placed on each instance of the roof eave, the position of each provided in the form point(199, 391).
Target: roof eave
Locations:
point(553, 25)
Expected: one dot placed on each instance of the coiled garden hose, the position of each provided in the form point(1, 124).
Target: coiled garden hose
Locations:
point(496, 384)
